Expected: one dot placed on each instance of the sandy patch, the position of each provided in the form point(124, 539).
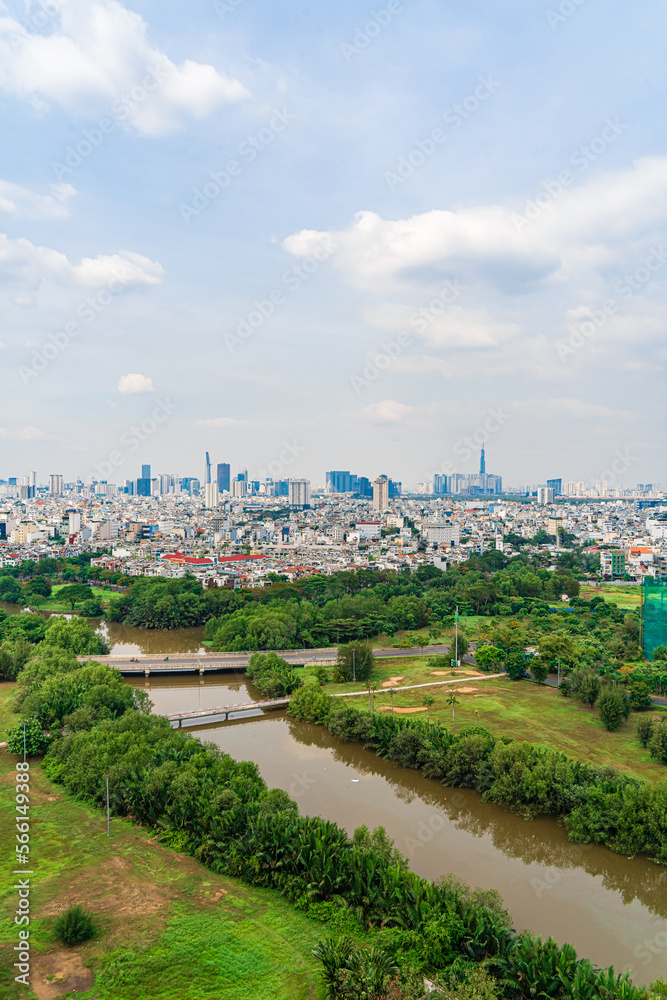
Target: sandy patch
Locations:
point(60, 971)
point(392, 682)
point(467, 690)
point(111, 889)
point(400, 711)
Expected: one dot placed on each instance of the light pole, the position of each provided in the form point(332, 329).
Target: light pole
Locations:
point(456, 628)
point(24, 754)
point(108, 818)
point(354, 665)
point(559, 671)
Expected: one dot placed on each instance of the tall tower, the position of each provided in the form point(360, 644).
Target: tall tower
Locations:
point(207, 471)
point(482, 462)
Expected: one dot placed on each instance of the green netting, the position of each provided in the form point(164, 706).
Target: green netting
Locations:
point(655, 614)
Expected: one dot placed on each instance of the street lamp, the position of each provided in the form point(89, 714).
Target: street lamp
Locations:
point(108, 818)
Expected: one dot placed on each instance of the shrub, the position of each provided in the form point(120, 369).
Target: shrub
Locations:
point(640, 697)
point(74, 925)
point(539, 669)
point(310, 704)
point(658, 743)
point(645, 729)
point(36, 740)
point(613, 706)
point(565, 687)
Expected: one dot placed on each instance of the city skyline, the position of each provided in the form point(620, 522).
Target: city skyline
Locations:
point(446, 249)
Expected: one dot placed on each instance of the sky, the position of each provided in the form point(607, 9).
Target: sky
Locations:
point(335, 236)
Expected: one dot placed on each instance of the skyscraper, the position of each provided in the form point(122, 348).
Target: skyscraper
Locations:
point(482, 462)
point(381, 493)
point(299, 493)
point(207, 471)
point(223, 477)
point(145, 472)
point(211, 495)
point(55, 485)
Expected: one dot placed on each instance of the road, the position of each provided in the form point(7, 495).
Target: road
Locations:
point(220, 662)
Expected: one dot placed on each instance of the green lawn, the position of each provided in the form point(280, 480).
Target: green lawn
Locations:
point(168, 929)
point(528, 711)
point(625, 597)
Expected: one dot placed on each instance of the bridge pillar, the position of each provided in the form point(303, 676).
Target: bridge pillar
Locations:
point(201, 671)
point(146, 672)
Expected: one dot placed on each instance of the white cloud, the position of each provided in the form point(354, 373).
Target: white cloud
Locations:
point(97, 60)
point(220, 422)
point(599, 224)
point(27, 434)
point(454, 326)
point(134, 383)
point(20, 203)
point(388, 411)
point(22, 259)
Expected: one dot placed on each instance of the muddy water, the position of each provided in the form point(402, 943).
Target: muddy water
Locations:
point(611, 908)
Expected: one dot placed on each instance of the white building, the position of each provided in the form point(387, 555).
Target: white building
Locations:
point(381, 493)
point(211, 495)
point(299, 493)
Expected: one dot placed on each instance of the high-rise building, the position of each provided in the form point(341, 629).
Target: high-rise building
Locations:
point(482, 462)
point(439, 484)
point(299, 493)
point(207, 471)
point(144, 484)
point(556, 485)
point(211, 498)
point(339, 482)
point(145, 472)
point(545, 495)
point(381, 493)
point(55, 485)
point(223, 477)
point(239, 487)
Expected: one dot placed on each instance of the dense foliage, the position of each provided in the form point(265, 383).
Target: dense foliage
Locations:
point(74, 925)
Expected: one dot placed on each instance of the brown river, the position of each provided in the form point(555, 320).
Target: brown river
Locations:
point(610, 907)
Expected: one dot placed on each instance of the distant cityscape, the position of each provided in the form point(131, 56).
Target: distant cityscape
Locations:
point(297, 492)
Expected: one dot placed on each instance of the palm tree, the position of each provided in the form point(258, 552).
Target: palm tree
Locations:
point(428, 700)
point(452, 700)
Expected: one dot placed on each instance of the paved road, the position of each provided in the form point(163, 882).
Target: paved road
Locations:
point(238, 661)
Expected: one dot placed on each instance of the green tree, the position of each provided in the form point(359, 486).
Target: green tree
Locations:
point(488, 657)
point(74, 593)
point(658, 743)
point(357, 656)
point(659, 653)
point(75, 635)
point(428, 700)
point(586, 684)
point(36, 740)
point(515, 664)
point(640, 697)
point(10, 590)
point(539, 669)
point(310, 703)
point(613, 706)
point(38, 589)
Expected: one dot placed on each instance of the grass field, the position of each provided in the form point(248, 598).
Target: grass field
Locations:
point(168, 929)
point(523, 710)
point(625, 597)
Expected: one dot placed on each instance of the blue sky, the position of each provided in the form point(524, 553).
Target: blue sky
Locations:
point(432, 223)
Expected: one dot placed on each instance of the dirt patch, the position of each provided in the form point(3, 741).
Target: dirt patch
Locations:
point(392, 682)
point(400, 711)
point(61, 971)
point(458, 673)
point(467, 690)
point(113, 889)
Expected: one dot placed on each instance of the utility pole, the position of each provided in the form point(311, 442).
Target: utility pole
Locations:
point(456, 626)
point(559, 671)
point(354, 665)
point(24, 754)
point(108, 817)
